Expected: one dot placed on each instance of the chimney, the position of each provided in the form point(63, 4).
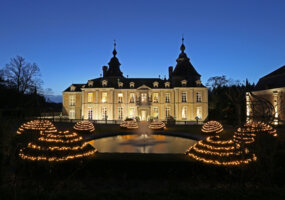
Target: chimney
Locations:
point(104, 68)
point(170, 70)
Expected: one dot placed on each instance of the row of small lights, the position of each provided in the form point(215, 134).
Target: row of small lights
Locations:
point(56, 159)
point(84, 126)
point(157, 125)
point(56, 148)
point(57, 137)
point(36, 125)
point(212, 127)
point(223, 163)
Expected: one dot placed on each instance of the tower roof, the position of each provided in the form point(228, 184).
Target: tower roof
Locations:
point(114, 65)
point(184, 69)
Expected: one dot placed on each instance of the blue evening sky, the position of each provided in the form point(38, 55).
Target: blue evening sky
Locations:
point(72, 40)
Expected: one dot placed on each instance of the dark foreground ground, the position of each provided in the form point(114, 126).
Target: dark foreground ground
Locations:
point(136, 176)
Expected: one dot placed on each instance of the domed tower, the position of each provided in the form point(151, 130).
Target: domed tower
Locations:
point(184, 70)
point(114, 67)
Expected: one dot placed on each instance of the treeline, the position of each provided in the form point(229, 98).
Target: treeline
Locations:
point(19, 85)
point(227, 100)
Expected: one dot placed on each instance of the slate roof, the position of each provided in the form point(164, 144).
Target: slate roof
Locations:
point(275, 79)
point(78, 87)
point(184, 70)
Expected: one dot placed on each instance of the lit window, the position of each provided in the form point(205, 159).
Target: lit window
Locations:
point(155, 112)
point(167, 98)
point(184, 112)
point(184, 97)
point(104, 97)
point(72, 100)
point(132, 113)
point(167, 112)
point(198, 96)
point(155, 97)
point(104, 114)
point(90, 113)
point(132, 98)
point(90, 97)
point(144, 97)
point(71, 114)
point(120, 113)
point(120, 98)
point(199, 112)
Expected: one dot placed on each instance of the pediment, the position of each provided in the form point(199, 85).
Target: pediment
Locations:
point(144, 87)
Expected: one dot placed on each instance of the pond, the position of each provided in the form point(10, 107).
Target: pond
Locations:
point(144, 143)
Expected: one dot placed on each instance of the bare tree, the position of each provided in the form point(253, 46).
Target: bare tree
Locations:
point(22, 75)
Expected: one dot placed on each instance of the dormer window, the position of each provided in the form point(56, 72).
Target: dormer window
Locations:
point(167, 84)
point(184, 83)
point(155, 84)
point(104, 83)
point(72, 88)
point(120, 84)
point(198, 82)
point(132, 84)
point(90, 83)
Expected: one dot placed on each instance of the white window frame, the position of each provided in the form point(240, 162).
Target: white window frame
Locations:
point(90, 113)
point(198, 97)
point(167, 97)
point(120, 113)
point(120, 97)
point(72, 113)
point(155, 98)
point(72, 100)
point(90, 97)
point(184, 112)
point(184, 97)
point(104, 100)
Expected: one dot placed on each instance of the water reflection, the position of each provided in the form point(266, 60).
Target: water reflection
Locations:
point(143, 143)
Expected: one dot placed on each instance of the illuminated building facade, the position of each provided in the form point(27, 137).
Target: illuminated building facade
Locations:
point(272, 88)
point(116, 97)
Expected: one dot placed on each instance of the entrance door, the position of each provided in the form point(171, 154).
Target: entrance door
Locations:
point(143, 115)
